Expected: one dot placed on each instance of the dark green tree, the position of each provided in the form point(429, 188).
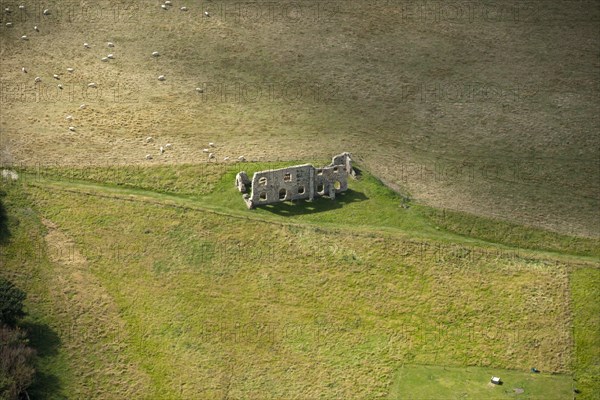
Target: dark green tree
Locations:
point(11, 302)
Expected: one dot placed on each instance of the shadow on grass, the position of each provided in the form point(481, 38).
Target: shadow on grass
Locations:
point(321, 204)
point(4, 231)
point(46, 342)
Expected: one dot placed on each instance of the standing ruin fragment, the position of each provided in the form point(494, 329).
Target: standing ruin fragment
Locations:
point(296, 182)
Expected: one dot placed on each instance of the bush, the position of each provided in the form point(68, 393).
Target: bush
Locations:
point(11, 302)
point(16, 363)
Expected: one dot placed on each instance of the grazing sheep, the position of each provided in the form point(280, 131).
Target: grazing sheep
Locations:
point(168, 3)
point(111, 56)
point(83, 106)
point(55, 76)
point(24, 70)
point(148, 156)
point(70, 70)
point(205, 150)
point(211, 156)
point(9, 24)
point(35, 28)
point(24, 37)
point(60, 86)
point(7, 10)
point(162, 78)
point(87, 46)
point(149, 139)
point(110, 44)
point(69, 118)
point(46, 12)
point(162, 150)
point(211, 144)
point(168, 146)
point(242, 158)
point(92, 85)
point(225, 158)
point(72, 128)
point(199, 90)
point(155, 54)
point(164, 7)
point(37, 79)
point(183, 8)
point(206, 14)
point(105, 59)
point(21, 7)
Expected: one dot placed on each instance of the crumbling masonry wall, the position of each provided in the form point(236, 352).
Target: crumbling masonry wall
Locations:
point(296, 182)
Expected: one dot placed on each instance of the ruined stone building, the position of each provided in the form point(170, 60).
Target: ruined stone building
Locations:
point(295, 183)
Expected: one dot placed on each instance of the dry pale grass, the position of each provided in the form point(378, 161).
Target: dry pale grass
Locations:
point(528, 134)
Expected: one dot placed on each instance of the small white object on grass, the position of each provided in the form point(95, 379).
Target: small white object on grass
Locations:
point(111, 56)
point(83, 106)
point(110, 44)
point(37, 79)
point(46, 11)
point(155, 54)
point(70, 70)
point(92, 85)
point(148, 156)
point(72, 128)
point(24, 37)
point(162, 78)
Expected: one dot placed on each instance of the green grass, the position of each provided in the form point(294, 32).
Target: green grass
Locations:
point(212, 298)
point(585, 284)
point(425, 382)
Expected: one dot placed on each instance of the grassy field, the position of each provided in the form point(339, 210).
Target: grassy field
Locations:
point(469, 247)
point(471, 113)
point(430, 382)
point(199, 297)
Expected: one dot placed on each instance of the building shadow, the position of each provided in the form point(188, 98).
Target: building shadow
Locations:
point(46, 342)
point(318, 205)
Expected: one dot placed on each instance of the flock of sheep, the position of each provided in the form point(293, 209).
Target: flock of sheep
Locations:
point(211, 155)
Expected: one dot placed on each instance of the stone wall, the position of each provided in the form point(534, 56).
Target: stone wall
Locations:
point(296, 183)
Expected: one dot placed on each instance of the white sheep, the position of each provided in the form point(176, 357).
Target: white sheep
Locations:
point(164, 7)
point(149, 139)
point(69, 118)
point(7, 10)
point(155, 54)
point(183, 8)
point(162, 78)
point(9, 24)
point(21, 7)
point(168, 3)
point(86, 45)
point(168, 146)
point(72, 128)
point(225, 158)
point(242, 158)
point(111, 56)
point(211, 156)
point(56, 76)
point(23, 70)
point(205, 150)
point(162, 150)
point(199, 90)
point(110, 44)
point(105, 59)
point(35, 28)
point(46, 12)
point(60, 86)
point(70, 70)
point(211, 144)
point(37, 79)
point(24, 37)
point(206, 14)
point(148, 156)
point(92, 85)
point(83, 106)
